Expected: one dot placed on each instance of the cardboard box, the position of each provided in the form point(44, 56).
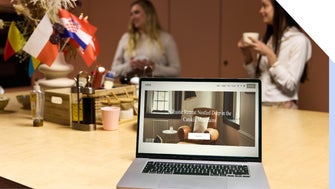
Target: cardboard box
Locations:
point(57, 107)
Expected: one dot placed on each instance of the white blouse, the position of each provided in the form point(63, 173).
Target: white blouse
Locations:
point(280, 83)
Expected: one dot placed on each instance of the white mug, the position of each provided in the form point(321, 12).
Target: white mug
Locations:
point(246, 36)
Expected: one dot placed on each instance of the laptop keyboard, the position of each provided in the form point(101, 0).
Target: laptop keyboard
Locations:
point(196, 169)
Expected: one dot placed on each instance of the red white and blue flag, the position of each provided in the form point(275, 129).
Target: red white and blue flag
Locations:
point(92, 50)
point(77, 29)
point(90, 54)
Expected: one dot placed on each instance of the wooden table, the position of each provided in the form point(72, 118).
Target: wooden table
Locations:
point(295, 151)
point(296, 148)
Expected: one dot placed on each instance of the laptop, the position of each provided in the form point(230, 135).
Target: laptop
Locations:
point(198, 133)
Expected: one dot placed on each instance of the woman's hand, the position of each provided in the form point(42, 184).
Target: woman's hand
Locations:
point(141, 64)
point(264, 50)
point(246, 51)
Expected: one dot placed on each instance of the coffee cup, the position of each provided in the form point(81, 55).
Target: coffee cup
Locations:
point(248, 35)
point(110, 117)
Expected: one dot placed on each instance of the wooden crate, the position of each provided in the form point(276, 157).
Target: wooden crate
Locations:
point(58, 102)
point(57, 106)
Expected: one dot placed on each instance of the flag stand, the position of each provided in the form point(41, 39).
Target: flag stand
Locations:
point(56, 74)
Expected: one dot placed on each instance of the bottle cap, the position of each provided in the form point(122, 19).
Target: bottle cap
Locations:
point(37, 87)
point(38, 122)
point(110, 74)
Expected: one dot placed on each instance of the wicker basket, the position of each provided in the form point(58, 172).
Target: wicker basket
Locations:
point(123, 96)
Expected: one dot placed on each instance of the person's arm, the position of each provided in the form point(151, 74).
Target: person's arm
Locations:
point(120, 66)
point(288, 74)
point(172, 69)
point(250, 69)
point(248, 59)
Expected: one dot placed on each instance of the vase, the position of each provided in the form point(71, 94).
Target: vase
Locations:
point(56, 74)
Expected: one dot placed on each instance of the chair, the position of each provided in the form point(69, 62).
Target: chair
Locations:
point(204, 120)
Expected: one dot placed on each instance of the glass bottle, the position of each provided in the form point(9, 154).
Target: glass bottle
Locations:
point(83, 103)
point(76, 104)
point(88, 106)
point(109, 80)
point(37, 105)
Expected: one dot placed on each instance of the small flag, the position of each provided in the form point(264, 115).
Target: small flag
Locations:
point(89, 55)
point(33, 64)
point(15, 41)
point(90, 50)
point(78, 29)
point(38, 44)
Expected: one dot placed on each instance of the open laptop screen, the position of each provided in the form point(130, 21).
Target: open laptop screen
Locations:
point(200, 117)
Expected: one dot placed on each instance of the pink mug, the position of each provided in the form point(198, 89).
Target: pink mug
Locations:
point(110, 117)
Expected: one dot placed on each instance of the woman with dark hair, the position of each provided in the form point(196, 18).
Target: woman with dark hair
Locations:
point(282, 57)
point(146, 46)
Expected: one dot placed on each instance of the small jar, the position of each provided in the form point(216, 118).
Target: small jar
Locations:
point(109, 80)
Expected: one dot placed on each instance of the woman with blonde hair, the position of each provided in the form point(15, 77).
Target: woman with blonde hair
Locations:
point(146, 47)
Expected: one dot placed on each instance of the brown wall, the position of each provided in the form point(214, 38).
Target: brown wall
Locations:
point(206, 33)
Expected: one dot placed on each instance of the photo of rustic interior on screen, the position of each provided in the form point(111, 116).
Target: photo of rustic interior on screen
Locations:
point(200, 117)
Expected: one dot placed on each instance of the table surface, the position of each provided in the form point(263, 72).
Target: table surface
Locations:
point(295, 150)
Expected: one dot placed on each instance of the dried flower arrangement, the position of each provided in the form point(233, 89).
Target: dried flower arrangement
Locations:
point(33, 11)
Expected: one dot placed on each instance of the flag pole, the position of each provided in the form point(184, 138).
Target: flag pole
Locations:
point(62, 48)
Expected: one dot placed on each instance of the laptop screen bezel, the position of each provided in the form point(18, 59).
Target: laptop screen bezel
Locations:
point(200, 157)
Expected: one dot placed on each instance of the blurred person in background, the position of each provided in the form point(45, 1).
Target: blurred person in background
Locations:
point(146, 49)
point(282, 57)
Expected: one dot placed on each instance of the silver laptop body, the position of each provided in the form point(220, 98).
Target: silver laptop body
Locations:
point(184, 122)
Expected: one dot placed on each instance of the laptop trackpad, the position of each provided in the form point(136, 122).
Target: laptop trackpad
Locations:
point(184, 182)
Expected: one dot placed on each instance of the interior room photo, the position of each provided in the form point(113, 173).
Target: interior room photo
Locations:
point(229, 114)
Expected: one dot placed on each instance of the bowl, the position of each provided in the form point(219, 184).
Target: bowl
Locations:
point(3, 102)
point(24, 100)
